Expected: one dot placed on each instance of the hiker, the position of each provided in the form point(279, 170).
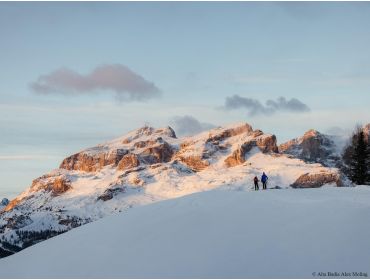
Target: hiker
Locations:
point(255, 180)
point(264, 179)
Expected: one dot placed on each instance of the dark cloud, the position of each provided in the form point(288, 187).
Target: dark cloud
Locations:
point(255, 107)
point(116, 78)
point(188, 125)
point(293, 105)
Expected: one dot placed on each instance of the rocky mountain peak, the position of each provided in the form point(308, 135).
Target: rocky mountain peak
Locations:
point(311, 133)
point(146, 131)
point(3, 203)
point(313, 146)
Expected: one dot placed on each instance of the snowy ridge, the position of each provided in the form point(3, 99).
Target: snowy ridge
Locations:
point(215, 234)
point(145, 166)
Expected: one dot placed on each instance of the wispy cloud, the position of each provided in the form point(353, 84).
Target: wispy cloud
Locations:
point(188, 125)
point(117, 78)
point(338, 131)
point(255, 107)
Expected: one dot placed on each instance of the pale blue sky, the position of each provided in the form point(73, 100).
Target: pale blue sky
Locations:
point(196, 54)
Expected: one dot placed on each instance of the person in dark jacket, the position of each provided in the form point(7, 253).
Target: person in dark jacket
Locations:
point(264, 179)
point(255, 180)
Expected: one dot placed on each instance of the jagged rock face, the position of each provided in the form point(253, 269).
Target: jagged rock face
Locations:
point(128, 161)
point(92, 162)
point(266, 143)
point(312, 147)
point(317, 180)
point(227, 133)
point(196, 163)
point(158, 153)
point(60, 185)
point(219, 141)
point(55, 185)
point(238, 156)
point(153, 149)
point(13, 203)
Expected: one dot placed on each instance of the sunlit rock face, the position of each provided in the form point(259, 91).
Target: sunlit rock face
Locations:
point(313, 146)
point(316, 180)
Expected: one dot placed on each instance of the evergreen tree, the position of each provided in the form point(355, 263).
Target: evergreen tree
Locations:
point(356, 158)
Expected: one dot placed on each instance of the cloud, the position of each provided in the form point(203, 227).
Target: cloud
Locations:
point(338, 131)
point(188, 125)
point(255, 107)
point(117, 78)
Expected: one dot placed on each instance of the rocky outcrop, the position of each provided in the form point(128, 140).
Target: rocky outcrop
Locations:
point(12, 204)
point(56, 185)
point(198, 153)
point(73, 222)
point(313, 146)
point(91, 162)
point(196, 163)
point(59, 186)
point(147, 144)
point(230, 132)
point(238, 156)
point(265, 142)
point(110, 193)
point(317, 180)
point(159, 153)
point(128, 161)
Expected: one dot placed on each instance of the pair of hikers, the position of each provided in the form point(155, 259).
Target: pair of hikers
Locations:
point(264, 179)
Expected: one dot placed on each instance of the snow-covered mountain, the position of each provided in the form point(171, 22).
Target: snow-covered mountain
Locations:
point(216, 234)
point(145, 166)
point(314, 146)
point(3, 203)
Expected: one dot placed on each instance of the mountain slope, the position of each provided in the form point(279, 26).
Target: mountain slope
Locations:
point(145, 166)
point(215, 234)
point(314, 146)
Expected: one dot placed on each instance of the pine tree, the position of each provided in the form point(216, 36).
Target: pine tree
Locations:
point(356, 158)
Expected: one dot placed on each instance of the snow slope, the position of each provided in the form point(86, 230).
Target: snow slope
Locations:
point(216, 234)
